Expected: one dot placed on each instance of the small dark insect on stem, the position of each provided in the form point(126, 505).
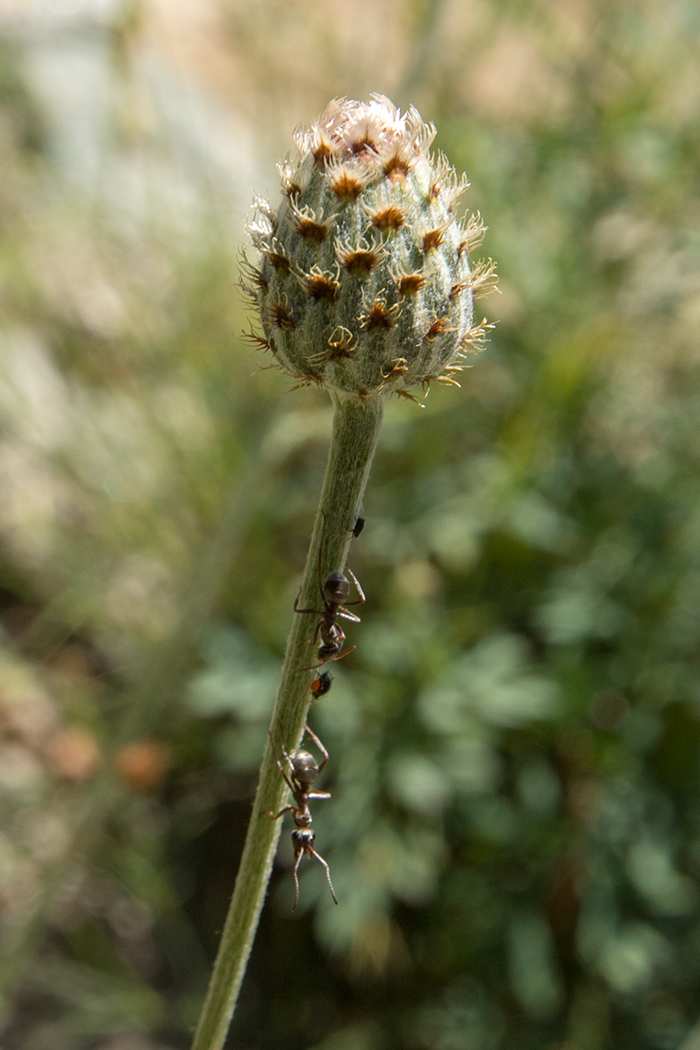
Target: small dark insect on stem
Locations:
point(301, 773)
point(321, 685)
point(358, 527)
point(334, 592)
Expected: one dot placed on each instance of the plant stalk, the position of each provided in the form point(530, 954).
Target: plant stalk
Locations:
point(356, 426)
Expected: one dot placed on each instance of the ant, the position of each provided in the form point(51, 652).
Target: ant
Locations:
point(303, 772)
point(321, 685)
point(357, 527)
point(334, 592)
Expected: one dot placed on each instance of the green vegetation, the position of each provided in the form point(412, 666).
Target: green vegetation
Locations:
point(514, 832)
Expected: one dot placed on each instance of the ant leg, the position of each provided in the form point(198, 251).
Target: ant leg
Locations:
point(276, 816)
point(290, 764)
point(319, 625)
point(355, 580)
point(297, 862)
point(318, 744)
point(298, 610)
point(328, 873)
point(350, 616)
point(315, 666)
point(312, 795)
point(279, 764)
point(345, 652)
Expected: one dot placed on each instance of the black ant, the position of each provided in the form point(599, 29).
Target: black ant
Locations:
point(357, 527)
point(321, 685)
point(303, 772)
point(334, 592)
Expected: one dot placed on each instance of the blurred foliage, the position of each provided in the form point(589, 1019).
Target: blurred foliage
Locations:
point(514, 832)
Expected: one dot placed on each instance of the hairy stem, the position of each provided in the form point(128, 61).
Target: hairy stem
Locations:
point(356, 427)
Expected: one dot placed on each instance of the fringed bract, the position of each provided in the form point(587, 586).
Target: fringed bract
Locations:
point(364, 282)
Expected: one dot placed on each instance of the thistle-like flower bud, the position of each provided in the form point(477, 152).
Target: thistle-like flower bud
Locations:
point(364, 282)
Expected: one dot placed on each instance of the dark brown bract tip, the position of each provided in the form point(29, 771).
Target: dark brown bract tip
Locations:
point(432, 239)
point(346, 185)
point(398, 367)
point(305, 380)
point(251, 273)
point(359, 258)
point(439, 325)
point(379, 315)
point(396, 167)
point(365, 145)
point(460, 287)
point(291, 189)
point(257, 341)
point(364, 261)
point(322, 153)
point(411, 283)
point(409, 397)
point(309, 225)
point(282, 263)
point(315, 231)
point(279, 314)
point(341, 343)
point(319, 285)
point(391, 218)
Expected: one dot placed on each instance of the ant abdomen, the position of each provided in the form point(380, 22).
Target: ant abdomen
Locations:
point(336, 589)
point(305, 767)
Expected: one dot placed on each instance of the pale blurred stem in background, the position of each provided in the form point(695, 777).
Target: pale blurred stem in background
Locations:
point(356, 426)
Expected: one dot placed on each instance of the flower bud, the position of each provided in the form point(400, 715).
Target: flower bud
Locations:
point(364, 283)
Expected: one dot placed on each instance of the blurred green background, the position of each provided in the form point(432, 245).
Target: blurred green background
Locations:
point(514, 833)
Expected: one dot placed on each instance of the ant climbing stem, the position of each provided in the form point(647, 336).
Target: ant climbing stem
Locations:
point(335, 592)
point(302, 774)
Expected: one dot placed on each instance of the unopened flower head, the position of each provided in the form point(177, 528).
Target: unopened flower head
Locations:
point(364, 282)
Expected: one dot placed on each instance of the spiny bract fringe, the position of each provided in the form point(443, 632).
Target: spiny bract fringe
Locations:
point(364, 283)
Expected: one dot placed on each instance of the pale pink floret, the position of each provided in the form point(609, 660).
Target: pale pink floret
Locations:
point(377, 128)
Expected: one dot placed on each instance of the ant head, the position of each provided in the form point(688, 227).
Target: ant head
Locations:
point(303, 838)
point(305, 768)
point(336, 589)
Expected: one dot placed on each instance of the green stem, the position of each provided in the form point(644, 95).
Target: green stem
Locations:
point(356, 427)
